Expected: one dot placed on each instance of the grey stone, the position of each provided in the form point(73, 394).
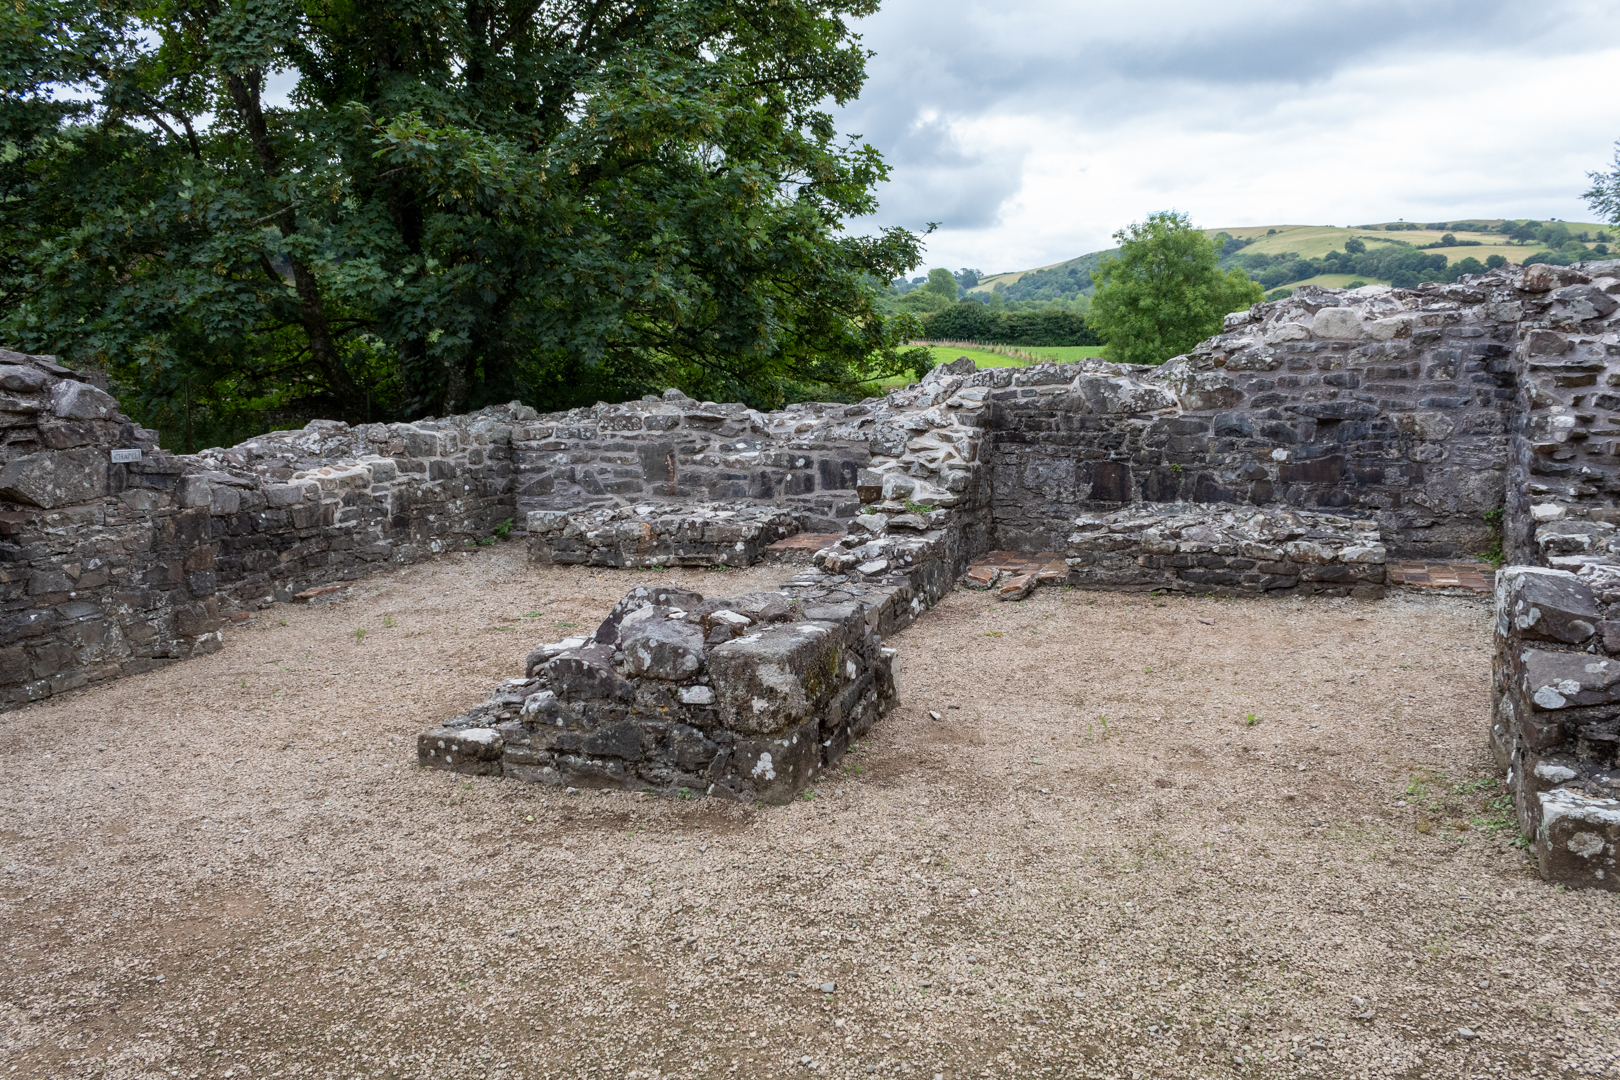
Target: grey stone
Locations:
point(1560, 680)
point(586, 674)
point(772, 680)
point(22, 379)
point(1549, 605)
point(55, 478)
point(661, 648)
point(81, 401)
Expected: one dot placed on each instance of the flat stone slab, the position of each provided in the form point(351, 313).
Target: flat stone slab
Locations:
point(805, 542)
point(1473, 576)
point(1019, 563)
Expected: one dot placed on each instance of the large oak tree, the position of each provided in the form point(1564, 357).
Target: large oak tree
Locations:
point(385, 208)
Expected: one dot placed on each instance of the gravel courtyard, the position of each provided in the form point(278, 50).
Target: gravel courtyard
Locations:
point(1146, 837)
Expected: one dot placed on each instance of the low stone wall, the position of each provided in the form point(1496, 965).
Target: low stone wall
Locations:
point(1194, 548)
point(111, 566)
point(1556, 725)
point(744, 697)
point(659, 535)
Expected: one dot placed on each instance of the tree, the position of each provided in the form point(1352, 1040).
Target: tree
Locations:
point(456, 203)
point(1525, 232)
point(942, 282)
point(1604, 194)
point(1355, 246)
point(1164, 293)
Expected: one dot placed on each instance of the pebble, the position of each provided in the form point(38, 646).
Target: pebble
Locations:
point(1467, 1033)
point(932, 715)
point(828, 988)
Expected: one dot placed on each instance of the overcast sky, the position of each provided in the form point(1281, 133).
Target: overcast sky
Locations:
point(1031, 132)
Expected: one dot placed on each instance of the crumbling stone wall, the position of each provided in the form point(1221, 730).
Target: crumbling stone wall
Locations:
point(745, 697)
point(1391, 405)
point(1556, 725)
point(111, 567)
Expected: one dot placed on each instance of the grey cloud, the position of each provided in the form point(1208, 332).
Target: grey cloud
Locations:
point(935, 178)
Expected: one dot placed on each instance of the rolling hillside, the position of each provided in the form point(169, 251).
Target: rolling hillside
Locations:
point(1476, 238)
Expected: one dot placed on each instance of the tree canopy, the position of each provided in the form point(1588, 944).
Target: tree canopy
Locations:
point(375, 210)
point(1164, 292)
point(1604, 194)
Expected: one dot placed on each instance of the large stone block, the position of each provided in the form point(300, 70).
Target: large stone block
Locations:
point(55, 478)
point(1547, 605)
point(771, 681)
point(1578, 839)
point(472, 751)
point(658, 647)
point(1561, 680)
point(80, 401)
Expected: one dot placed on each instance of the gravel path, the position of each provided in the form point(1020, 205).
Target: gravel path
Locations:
point(1094, 864)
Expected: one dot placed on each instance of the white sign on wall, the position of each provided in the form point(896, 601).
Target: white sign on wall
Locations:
point(126, 455)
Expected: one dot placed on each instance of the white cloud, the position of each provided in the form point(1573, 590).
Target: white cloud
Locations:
point(1033, 134)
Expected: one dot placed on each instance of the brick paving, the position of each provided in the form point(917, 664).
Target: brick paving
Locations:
point(1474, 576)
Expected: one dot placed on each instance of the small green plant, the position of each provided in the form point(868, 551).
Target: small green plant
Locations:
point(503, 531)
point(359, 634)
point(283, 622)
point(1251, 720)
point(1176, 468)
point(388, 621)
point(918, 508)
point(1493, 550)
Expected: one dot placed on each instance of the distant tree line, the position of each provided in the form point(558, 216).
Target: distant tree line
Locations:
point(969, 320)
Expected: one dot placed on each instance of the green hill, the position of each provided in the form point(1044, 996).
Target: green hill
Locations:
point(1289, 256)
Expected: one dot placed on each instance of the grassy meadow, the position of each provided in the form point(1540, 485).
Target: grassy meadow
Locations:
point(1314, 241)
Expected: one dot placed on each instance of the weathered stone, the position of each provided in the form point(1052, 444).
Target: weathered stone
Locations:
point(55, 478)
point(1560, 680)
point(660, 648)
point(586, 674)
point(1548, 605)
point(1578, 839)
point(472, 751)
point(80, 401)
point(22, 379)
point(775, 679)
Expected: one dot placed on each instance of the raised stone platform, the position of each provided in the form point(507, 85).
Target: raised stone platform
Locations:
point(1240, 550)
point(745, 697)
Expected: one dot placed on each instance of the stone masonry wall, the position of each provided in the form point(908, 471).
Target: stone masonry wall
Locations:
point(1556, 725)
point(1391, 405)
point(110, 567)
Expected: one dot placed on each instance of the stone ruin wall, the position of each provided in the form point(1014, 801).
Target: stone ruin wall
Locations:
point(1313, 439)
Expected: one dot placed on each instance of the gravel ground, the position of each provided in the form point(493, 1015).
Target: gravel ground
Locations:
point(1146, 838)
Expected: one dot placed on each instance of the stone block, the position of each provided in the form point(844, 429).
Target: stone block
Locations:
point(1560, 680)
point(1547, 605)
point(55, 478)
point(1577, 841)
point(587, 674)
point(470, 751)
point(770, 681)
point(80, 401)
point(658, 647)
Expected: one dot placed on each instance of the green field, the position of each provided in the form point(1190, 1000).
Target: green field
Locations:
point(1066, 353)
point(944, 354)
point(1314, 241)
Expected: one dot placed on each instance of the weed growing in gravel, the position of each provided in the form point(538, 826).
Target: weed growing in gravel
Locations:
point(1251, 720)
point(359, 634)
point(388, 621)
